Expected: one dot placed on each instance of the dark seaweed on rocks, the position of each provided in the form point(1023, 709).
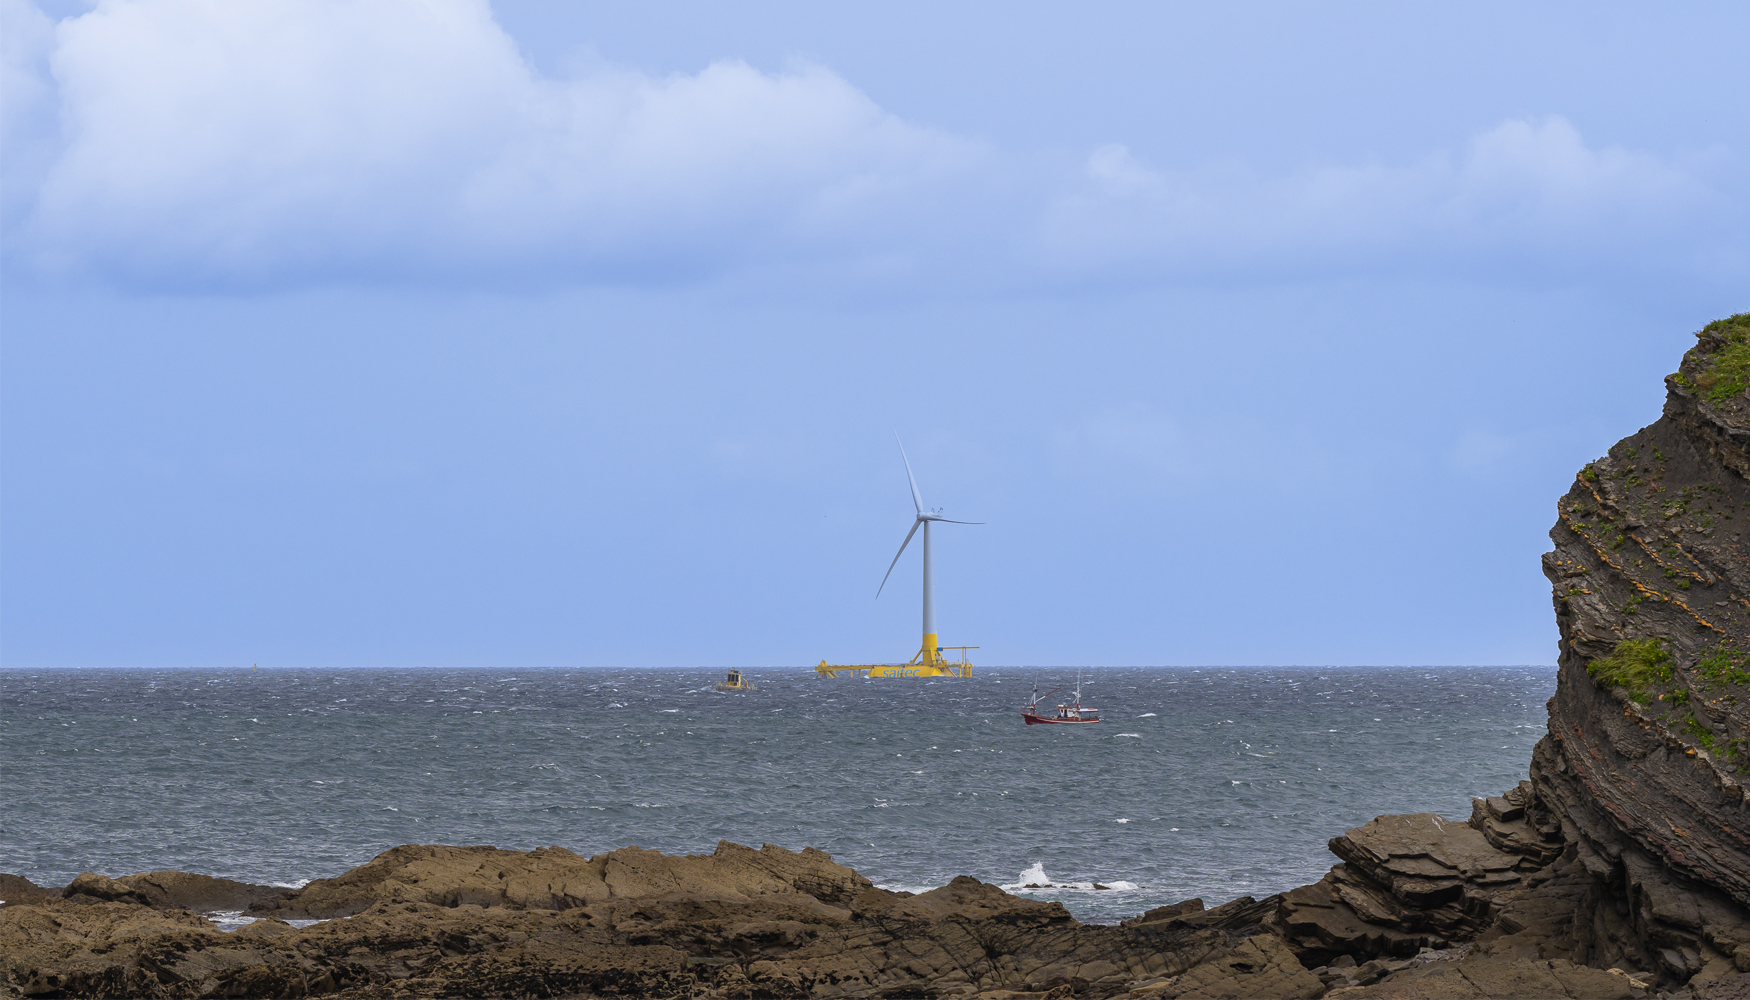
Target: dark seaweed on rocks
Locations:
point(1620, 868)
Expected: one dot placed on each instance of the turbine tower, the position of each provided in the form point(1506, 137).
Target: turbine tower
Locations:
point(929, 654)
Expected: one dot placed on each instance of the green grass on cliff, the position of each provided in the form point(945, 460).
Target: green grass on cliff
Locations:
point(1635, 664)
point(1730, 374)
point(1699, 732)
point(1725, 665)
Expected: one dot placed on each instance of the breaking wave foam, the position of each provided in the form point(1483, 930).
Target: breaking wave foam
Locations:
point(231, 920)
point(1034, 879)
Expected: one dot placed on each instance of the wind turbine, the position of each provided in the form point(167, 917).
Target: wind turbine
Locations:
point(928, 654)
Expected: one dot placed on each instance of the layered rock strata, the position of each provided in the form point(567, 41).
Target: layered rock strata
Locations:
point(1643, 766)
point(1629, 847)
point(1408, 883)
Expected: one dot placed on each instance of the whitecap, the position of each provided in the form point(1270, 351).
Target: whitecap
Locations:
point(913, 889)
point(1034, 879)
point(1147, 715)
point(234, 920)
point(229, 920)
point(670, 709)
point(1137, 736)
point(1121, 821)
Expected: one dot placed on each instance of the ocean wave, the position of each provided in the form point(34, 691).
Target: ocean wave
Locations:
point(1034, 879)
point(229, 920)
point(916, 890)
point(232, 920)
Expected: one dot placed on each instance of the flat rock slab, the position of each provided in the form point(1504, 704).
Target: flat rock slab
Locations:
point(202, 893)
point(1406, 844)
point(1259, 967)
point(554, 878)
point(1493, 980)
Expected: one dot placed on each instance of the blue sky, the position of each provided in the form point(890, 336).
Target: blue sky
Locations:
point(439, 332)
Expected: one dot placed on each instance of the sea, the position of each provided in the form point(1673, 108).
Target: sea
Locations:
point(1207, 782)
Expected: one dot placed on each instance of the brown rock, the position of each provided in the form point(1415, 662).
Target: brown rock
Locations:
point(18, 889)
point(1735, 987)
point(1493, 980)
point(1159, 913)
point(739, 922)
point(92, 887)
point(1408, 883)
point(1260, 966)
point(556, 879)
point(202, 893)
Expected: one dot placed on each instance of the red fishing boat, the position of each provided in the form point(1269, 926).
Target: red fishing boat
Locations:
point(1072, 713)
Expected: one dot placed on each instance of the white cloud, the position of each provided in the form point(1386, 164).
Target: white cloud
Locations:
point(193, 143)
point(1522, 185)
point(27, 103)
point(219, 140)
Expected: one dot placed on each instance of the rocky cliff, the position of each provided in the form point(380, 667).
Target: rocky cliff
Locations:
point(1643, 766)
point(1629, 847)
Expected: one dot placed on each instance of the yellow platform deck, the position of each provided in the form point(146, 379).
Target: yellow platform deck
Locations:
point(924, 664)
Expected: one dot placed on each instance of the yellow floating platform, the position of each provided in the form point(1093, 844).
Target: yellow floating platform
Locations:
point(928, 663)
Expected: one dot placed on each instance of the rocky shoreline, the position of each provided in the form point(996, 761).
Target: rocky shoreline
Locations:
point(1620, 868)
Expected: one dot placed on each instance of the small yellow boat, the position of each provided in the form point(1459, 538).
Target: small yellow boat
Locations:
point(735, 682)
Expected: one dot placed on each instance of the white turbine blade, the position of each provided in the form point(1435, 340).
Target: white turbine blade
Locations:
point(896, 555)
point(955, 522)
point(917, 501)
